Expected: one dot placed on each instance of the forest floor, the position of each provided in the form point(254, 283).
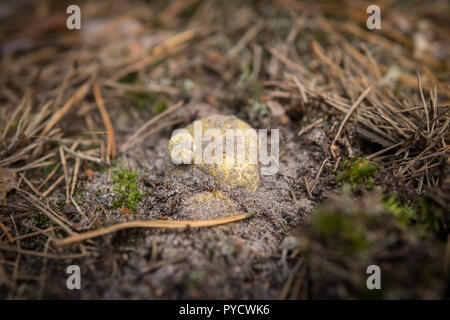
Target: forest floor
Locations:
point(363, 179)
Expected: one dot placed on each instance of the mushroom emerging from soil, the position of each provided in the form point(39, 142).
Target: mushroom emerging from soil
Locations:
point(210, 144)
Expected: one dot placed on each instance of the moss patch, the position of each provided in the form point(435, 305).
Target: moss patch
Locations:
point(346, 236)
point(357, 172)
point(127, 190)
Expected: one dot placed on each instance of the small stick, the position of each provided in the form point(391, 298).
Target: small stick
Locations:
point(75, 176)
point(77, 96)
point(63, 86)
point(35, 233)
point(66, 173)
point(150, 88)
point(97, 216)
point(8, 234)
point(132, 140)
point(78, 208)
point(154, 252)
point(47, 211)
point(150, 224)
point(300, 88)
point(246, 38)
point(309, 127)
point(169, 46)
point(49, 176)
point(162, 127)
point(318, 174)
point(84, 156)
point(162, 263)
point(385, 150)
point(110, 139)
point(53, 186)
point(349, 113)
point(307, 187)
point(42, 254)
point(287, 286)
point(37, 163)
point(423, 100)
point(30, 185)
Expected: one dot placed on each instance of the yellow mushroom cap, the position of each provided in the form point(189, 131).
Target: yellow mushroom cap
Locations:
point(183, 148)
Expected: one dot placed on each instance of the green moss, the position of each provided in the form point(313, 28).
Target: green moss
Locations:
point(78, 196)
point(127, 190)
point(129, 78)
point(432, 216)
point(47, 169)
point(12, 127)
point(255, 88)
point(283, 228)
point(144, 101)
point(341, 230)
point(402, 211)
point(426, 215)
point(194, 280)
point(159, 107)
point(356, 172)
point(322, 37)
point(40, 220)
point(345, 236)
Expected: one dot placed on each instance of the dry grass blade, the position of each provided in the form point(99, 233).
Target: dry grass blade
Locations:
point(76, 97)
point(33, 234)
point(308, 189)
point(75, 176)
point(425, 107)
point(6, 231)
point(165, 48)
point(84, 156)
point(47, 211)
point(349, 113)
point(246, 38)
point(148, 88)
point(136, 137)
point(288, 284)
point(43, 254)
point(53, 186)
point(66, 173)
point(162, 263)
point(309, 127)
point(150, 224)
point(111, 141)
point(80, 211)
